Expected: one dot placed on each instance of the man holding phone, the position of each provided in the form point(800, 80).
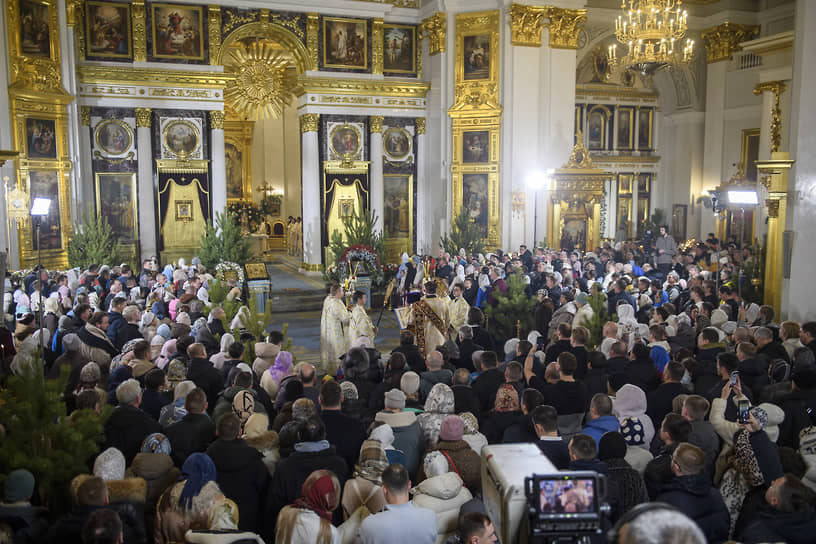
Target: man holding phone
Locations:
point(727, 365)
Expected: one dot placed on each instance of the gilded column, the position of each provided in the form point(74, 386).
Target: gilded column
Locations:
point(214, 26)
point(770, 130)
point(377, 190)
point(312, 38)
point(148, 203)
point(71, 18)
point(139, 30)
point(435, 28)
point(218, 185)
point(377, 46)
point(310, 173)
point(423, 233)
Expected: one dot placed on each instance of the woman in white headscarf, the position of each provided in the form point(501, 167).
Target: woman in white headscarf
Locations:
point(218, 359)
point(627, 324)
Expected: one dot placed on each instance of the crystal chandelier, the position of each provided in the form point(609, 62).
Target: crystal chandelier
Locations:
point(651, 30)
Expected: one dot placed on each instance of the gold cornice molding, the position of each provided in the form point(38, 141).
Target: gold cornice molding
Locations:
point(435, 28)
point(777, 88)
point(613, 91)
point(375, 124)
point(309, 122)
point(616, 159)
point(724, 40)
point(420, 125)
point(115, 75)
point(349, 86)
point(6, 155)
point(564, 25)
point(526, 23)
point(85, 116)
point(143, 117)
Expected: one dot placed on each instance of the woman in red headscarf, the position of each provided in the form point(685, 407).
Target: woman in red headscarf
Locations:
point(308, 519)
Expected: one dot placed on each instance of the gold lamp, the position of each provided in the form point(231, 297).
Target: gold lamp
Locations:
point(651, 31)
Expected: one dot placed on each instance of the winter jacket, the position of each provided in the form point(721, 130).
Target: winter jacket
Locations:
point(795, 405)
point(115, 322)
point(444, 494)
point(345, 433)
point(205, 376)
point(658, 472)
point(413, 358)
point(669, 247)
point(430, 378)
point(629, 484)
point(642, 373)
point(463, 461)
point(694, 496)
point(789, 527)
point(157, 470)
point(520, 431)
point(408, 436)
point(486, 385)
point(126, 333)
point(466, 400)
point(96, 347)
point(495, 423)
point(28, 524)
point(726, 429)
point(243, 477)
point(659, 401)
point(598, 426)
point(193, 434)
point(126, 429)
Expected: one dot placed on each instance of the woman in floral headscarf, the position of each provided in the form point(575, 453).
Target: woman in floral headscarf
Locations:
point(365, 488)
point(438, 406)
point(308, 519)
point(505, 412)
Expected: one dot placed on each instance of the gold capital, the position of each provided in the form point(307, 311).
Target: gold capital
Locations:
point(420, 125)
point(216, 120)
point(308, 122)
point(214, 25)
point(143, 117)
point(137, 10)
point(375, 124)
point(85, 116)
point(435, 28)
point(312, 30)
point(564, 26)
point(777, 88)
point(377, 46)
point(526, 23)
point(723, 41)
point(773, 207)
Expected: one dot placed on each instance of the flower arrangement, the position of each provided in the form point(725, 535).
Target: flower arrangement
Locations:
point(226, 270)
point(361, 254)
point(253, 214)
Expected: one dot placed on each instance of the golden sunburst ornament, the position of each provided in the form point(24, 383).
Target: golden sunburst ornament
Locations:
point(263, 81)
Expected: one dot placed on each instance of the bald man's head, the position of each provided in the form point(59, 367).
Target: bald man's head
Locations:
point(435, 361)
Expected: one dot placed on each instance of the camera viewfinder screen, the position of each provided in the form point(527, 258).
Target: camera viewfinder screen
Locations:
point(574, 496)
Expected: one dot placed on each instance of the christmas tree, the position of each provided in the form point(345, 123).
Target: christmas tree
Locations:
point(224, 242)
point(595, 323)
point(512, 308)
point(93, 242)
point(464, 234)
point(41, 439)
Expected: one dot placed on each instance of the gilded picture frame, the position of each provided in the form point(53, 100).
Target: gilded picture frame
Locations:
point(749, 152)
point(625, 183)
point(47, 183)
point(36, 34)
point(645, 119)
point(480, 186)
point(108, 31)
point(399, 49)
point(345, 207)
point(236, 162)
point(625, 130)
point(116, 201)
point(477, 36)
point(177, 31)
point(398, 214)
point(345, 43)
point(184, 210)
point(475, 146)
point(181, 137)
point(42, 138)
point(397, 143)
point(345, 139)
point(114, 137)
point(597, 129)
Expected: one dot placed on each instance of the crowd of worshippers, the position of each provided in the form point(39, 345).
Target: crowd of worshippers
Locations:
point(202, 445)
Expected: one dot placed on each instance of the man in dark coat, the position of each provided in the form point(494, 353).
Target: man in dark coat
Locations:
point(788, 515)
point(674, 430)
point(413, 357)
point(690, 491)
point(127, 425)
point(476, 321)
point(523, 430)
point(488, 382)
point(195, 431)
point(466, 348)
point(345, 433)
point(311, 453)
point(795, 405)
point(241, 473)
point(203, 374)
point(465, 398)
point(659, 401)
point(129, 329)
point(115, 317)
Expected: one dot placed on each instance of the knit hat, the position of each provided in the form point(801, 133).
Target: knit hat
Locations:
point(612, 445)
point(243, 405)
point(451, 429)
point(471, 424)
point(760, 415)
point(395, 399)
point(19, 486)
point(147, 319)
point(256, 425)
point(110, 465)
point(183, 318)
point(71, 342)
point(156, 443)
point(349, 391)
point(409, 383)
point(90, 373)
point(729, 327)
point(581, 298)
point(163, 330)
point(632, 431)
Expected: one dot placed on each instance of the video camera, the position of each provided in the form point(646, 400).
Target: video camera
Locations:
point(566, 506)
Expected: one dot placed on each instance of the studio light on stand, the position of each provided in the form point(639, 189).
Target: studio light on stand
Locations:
point(536, 181)
point(742, 198)
point(39, 211)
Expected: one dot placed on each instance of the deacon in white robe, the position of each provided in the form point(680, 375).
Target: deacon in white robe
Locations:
point(334, 329)
point(361, 324)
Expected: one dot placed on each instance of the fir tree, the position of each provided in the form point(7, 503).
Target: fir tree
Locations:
point(93, 242)
point(464, 234)
point(595, 323)
point(41, 439)
point(224, 242)
point(512, 307)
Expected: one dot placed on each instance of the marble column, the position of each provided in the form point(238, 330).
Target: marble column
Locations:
point(86, 155)
point(714, 124)
point(218, 183)
point(420, 225)
point(801, 219)
point(376, 172)
point(310, 175)
point(81, 180)
point(148, 233)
